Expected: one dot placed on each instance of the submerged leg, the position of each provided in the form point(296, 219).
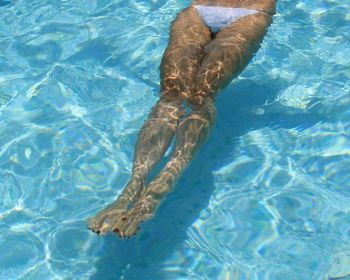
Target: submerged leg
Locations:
point(184, 53)
point(228, 54)
point(191, 134)
point(154, 139)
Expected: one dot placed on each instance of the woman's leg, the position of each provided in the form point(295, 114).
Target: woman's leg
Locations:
point(228, 54)
point(179, 66)
point(184, 54)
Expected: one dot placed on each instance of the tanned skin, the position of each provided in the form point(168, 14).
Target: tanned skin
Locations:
point(195, 66)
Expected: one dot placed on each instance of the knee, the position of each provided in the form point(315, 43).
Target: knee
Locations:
point(204, 102)
point(170, 99)
point(169, 109)
point(206, 109)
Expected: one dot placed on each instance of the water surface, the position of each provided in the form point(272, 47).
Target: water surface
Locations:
point(268, 197)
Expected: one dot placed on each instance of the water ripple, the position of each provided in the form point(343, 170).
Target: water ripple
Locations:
point(272, 200)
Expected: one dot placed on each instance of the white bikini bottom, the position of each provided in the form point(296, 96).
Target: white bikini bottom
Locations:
point(216, 17)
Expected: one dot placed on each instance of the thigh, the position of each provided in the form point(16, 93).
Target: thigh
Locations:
point(184, 53)
point(229, 53)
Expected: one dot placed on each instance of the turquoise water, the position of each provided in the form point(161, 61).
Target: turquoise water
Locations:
point(268, 197)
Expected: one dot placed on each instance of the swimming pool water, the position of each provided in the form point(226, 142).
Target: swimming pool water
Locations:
point(268, 197)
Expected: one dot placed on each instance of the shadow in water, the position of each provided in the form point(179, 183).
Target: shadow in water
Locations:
point(5, 3)
point(143, 257)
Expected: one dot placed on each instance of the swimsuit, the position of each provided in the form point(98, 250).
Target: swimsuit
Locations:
point(216, 17)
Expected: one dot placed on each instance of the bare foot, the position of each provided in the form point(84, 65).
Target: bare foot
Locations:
point(105, 219)
point(122, 222)
point(119, 218)
point(128, 224)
